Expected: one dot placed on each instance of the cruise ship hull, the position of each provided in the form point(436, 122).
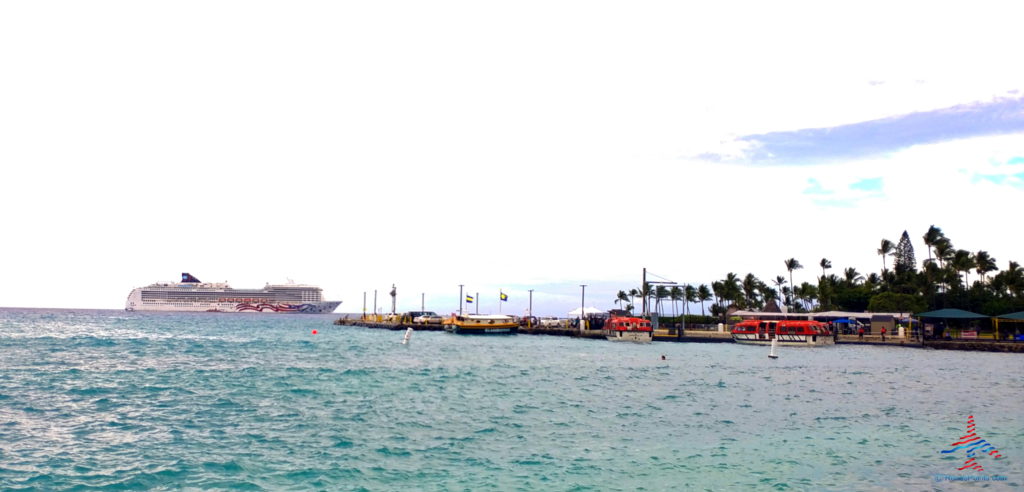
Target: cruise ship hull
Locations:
point(263, 307)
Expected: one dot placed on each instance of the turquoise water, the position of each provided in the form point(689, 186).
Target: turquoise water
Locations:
point(125, 401)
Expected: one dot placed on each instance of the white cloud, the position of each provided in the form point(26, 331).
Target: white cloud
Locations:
point(357, 145)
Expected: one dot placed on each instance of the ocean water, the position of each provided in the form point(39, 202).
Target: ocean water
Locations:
point(108, 400)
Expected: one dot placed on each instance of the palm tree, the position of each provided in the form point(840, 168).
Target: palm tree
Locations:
point(852, 277)
point(660, 292)
point(1015, 278)
point(676, 294)
point(732, 288)
point(690, 294)
point(621, 297)
point(826, 287)
point(943, 250)
point(1009, 281)
point(963, 261)
point(825, 264)
point(703, 294)
point(932, 237)
point(873, 281)
point(769, 294)
point(792, 264)
point(808, 293)
point(780, 283)
point(718, 288)
point(749, 286)
point(886, 247)
point(632, 297)
point(984, 263)
point(645, 294)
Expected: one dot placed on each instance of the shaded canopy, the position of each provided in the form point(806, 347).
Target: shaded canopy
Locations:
point(1019, 315)
point(951, 314)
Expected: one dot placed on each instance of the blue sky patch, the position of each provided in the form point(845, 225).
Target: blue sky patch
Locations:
point(993, 178)
point(815, 188)
point(1016, 160)
point(868, 184)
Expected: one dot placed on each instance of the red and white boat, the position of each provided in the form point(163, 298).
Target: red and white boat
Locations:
point(784, 332)
point(628, 329)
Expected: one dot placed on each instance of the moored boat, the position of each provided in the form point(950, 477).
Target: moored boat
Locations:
point(628, 329)
point(785, 332)
point(482, 324)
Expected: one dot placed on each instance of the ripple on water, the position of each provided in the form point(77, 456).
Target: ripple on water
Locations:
point(142, 401)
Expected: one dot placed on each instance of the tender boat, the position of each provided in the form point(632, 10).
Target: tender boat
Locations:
point(482, 324)
point(628, 329)
point(785, 332)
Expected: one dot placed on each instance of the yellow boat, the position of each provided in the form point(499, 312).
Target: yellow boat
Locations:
point(482, 324)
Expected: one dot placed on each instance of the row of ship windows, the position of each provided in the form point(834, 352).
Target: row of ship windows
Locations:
point(228, 299)
point(233, 294)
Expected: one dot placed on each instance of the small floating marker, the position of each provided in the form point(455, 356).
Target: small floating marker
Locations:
point(408, 335)
point(314, 332)
point(662, 357)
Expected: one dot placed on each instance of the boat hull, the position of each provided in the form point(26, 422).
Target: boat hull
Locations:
point(482, 330)
point(481, 324)
point(629, 336)
point(787, 340)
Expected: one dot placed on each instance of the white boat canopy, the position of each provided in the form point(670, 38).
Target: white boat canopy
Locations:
point(586, 310)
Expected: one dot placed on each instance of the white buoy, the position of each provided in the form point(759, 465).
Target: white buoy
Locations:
point(408, 335)
point(771, 354)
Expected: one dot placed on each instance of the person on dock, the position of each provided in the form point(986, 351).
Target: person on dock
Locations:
point(883, 333)
point(860, 333)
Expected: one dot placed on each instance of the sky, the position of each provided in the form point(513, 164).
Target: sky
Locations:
point(503, 146)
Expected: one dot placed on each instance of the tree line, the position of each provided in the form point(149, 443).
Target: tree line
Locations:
point(943, 281)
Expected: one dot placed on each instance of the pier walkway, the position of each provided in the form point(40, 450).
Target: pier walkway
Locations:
point(714, 336)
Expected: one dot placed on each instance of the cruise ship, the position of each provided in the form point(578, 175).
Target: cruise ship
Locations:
point(191, 294)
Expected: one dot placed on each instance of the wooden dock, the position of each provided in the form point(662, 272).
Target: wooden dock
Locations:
point(713, 336)
point(561, 332)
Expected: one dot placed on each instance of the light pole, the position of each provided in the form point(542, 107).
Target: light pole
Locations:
point(423, 297)
point(364, 305)
point(686, 307)
point(529, 320)
point(461, 299)
point(583, 297)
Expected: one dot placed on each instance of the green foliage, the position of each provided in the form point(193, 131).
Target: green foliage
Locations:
point(854, 298)
point(943, 281)
point(891, 302)
point(691, 319)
